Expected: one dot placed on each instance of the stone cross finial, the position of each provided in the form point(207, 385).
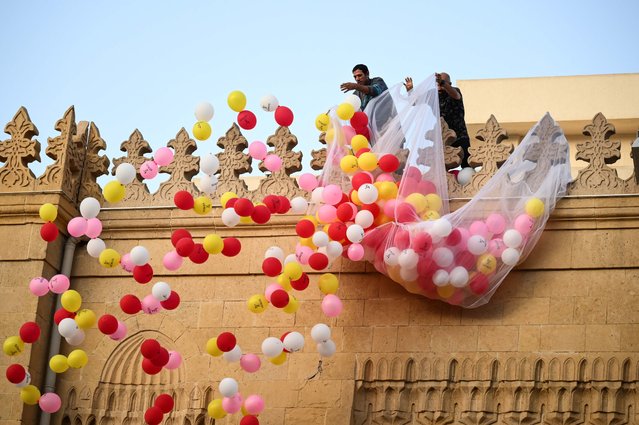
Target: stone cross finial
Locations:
point(135, 147)
point(182, 169)
point(95, 165)
point(280, 182)
point(233, 163)
point(18, 152)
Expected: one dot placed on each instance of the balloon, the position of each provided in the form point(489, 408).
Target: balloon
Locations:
point(465, 175)
point(39, 286)
point(215, 409)
point(153, 415)
point(58, 363)
point(49, 232)
point(113, 192)
point(204, 111)
point(322, 122)
point(29, 332)
point(254, 404)
point(120, 332)
point(161, 358)
point(26, 381)
point(441, 278)
point(236, 100)
point(232, 404)
point(345, 111)
point(355, 252)
point(126, 263)
point(172, 260)
point(510, 256)
point(478, 284)
point(77, 226)
point(59, 283)
point(150, 305)
point(71, 300)
point(109, 258)
point(16, 373)
point(95, 247)
point(367, 193)
point(283, 116)
point(326, 348)
point(172, 302)
point(353, 100)
point(150, 348)
point(243, 207)
point(202, 130)
point(477, 245)
point(48, 212)
point(213, 244)
point(257, 150)
point(364, 218)
point(247, 120)
point(164, 155)
point(273, 163)
point(184, 247)
point(512, 238)
point(332, 305)
point(124, 173)
point(458, 277)
point(307, 182)
point(299, 205)
point(359, 119)
point(280, 359)
point(234, 355)
point(232, 247)
point(348, 164)
point(293, 342)
point(77, 338)
point(230, 217)
point(367, 161)
point(524, 224)
point(94, 228)
point(279, 298)
point(30, 395)
point(165, 402)
point(85, 318)
point(210, 164)
point(272, 347)
point(77, 359)
point(150, 368)
point(320, 332)
point(107, 324)
point(355, 233)
point(161, 291)
point(212, 348)
point(228, 387)
point(62, 314)
point(534, 207)
point(149, 169)
point(202, 205)
point(269, 103)
point(388, 163)
point(250, 363)
point(261, 214)
point(226, 341)
point(320, 238)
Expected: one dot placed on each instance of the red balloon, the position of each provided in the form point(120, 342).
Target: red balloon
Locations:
point(405, 213)
point(271, 266)
point(479, 284)
point(183, 200)
point(143, 274)
point(247, 120)
point(282, 339)
point(172, 302)
point(161, 358)
point(16, 373)
point(60, 314)
point(305, 228)
point(153, 415)
point(231, 203)
point(226, 341)
point(49, 232)
point(199, 254)
point(301, 283)
point(232, 247)
point(318, 261)
point(388, 163)
point(130, 304)
point(285, 205)
point(425, 187)
point(361, 151)
point(272, 202)
point(426, 266)
point(249, 420)
point(454, 237)
point(345, 212)
point(283, 116)
point(401, 239)
point(243, 207)
point(360, 179)
point(184, 247)
point(30, 332)
point(359, 120)
point(337, 231)
point(364, 132)
point(164, 402)
point(465, 259)
point(373, 208)
point(421, 242)
point(179, 234)
point(279, 298)
point(261, 214)
point(149, 367)
point(108, 324)
point(150, 348)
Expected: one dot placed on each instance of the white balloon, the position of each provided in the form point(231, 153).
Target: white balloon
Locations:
point(367, 193)
point(442, 227)
point(512, 238)
point(207, 184)
point(409, 275)
point(316, 195)
point(298, 205)
point(443, 257)
point(477, 245)
point(272, 347)
point(77, 338)
point(269, 103)
point(26, 381)
point(274, 251)
point(228, 387)
point(89, 208)
point(408, 258)
point(326, 348)
point(459, 277)
point(161, 291)
point(293, 342)
point(68, 327)
point(354, 100)
point(95, 247)
point(320, 332)
point(391, 256)
point(139, 255)
point(441, 277)
point(510, 256)
point(125, 173)
point(465, 175)
point(334, 249)
point(204, 111)
point(209, 164)
point(364, 218)
point(230, 218)
point(234, 355)
point(355, 233)
point(290, 258)
point(320, 238)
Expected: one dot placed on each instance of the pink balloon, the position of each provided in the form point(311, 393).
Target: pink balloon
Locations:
point(327, 213)
point(151, 305)
point(332, 194)
point(307, 182)
point(77, 226)
point(479, 228)
point(50, 402)
point(59, 283)
point(270, 289)
point(39, 286)
point(149, 169)
point(303, 253)
point(175, 360)
point(250, 363)
point(349, 133)
point(385, 177)
point(232, 404)
point(355, 252)
point(94, 228)
point(389, 208)
point(254, 404)
point(524, 224)
point(332, 305)
point(172, 260)
point(163, 156)
point(496, 247)
point(126, 263)
point(120, 332)
point(273, 163)
point(496, 223)
point(257, 150)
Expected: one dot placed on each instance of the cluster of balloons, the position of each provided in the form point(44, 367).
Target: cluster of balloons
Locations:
point(14, 345)
point(162, 405)
point(203, 114)
point(111, 326)
point(233, 402)
point(30, 394)
point(258, 150)
point(242, 210)
point(76, 359)
point(49, 231)
point(207, 183)
point(198, 253)
point(156, 357)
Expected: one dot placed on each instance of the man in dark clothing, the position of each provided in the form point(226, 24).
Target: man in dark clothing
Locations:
point(365, 87)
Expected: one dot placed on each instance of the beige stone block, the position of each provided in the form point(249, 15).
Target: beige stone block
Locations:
point(357, 339)
point(451, 315)
point(413, 338)
point(498, 338)
point(385, 312)
point(353, 313)
point(210, 314)
point(384, 339)
point(603, 338)
point(304, 415)
point(590, 310)
point(527, 311)
point(236, 314)
point(563, 338)
point(529, 338)
point(488, 314)
point(561, 311)
point(339, 366)
point(320, 393)
point(629, 337)
point(517, 284)
point(338, 416)
point(450, 339)
point(423, 311)
point(359, 286)
point(553, 251)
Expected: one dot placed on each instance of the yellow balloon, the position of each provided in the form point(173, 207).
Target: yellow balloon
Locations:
point(418, 201)
point(71, 300)
point(285, 282)
point(322, 121)
point(534, 207)
point(215, 409)
point(30, 394)
point(345, 111)
point(328, 283)
point(257, 303)
point(213, 244)
point(367, 161)
point(348, 164)
point(330, 135)
point(433, 202)
point(359, 142)
point(109, 258)
point(85, 318)
point(246, 220)
point(212, 349)
point(48, 212)
point(293, 270)
point(312, 218)
point(279, 359)
point(113, 192)
point(387, 190)
point(77, 359)
point(202, 130)
point(308, 242)
point(202, 205)
point(226, 196)
point(381, 219)
point(13, 346)
point(486, 263)
point(236, 101)
point(292, 306)
point(446, 291)
point(59, 363)
point(355, 198)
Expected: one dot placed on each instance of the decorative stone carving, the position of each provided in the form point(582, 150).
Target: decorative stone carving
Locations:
point(182, 169)
point(95, 165)
point(598, 152)
point(280, 182)
point(137, 192)
point(452, 155)
point(18, 152)
point(233, 163)
point(319, 156)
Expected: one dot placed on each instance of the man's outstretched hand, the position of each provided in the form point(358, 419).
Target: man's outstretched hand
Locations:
point(348, 86)
point(408, 83)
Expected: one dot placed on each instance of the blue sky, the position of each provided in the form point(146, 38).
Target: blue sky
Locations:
point(145, 65)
